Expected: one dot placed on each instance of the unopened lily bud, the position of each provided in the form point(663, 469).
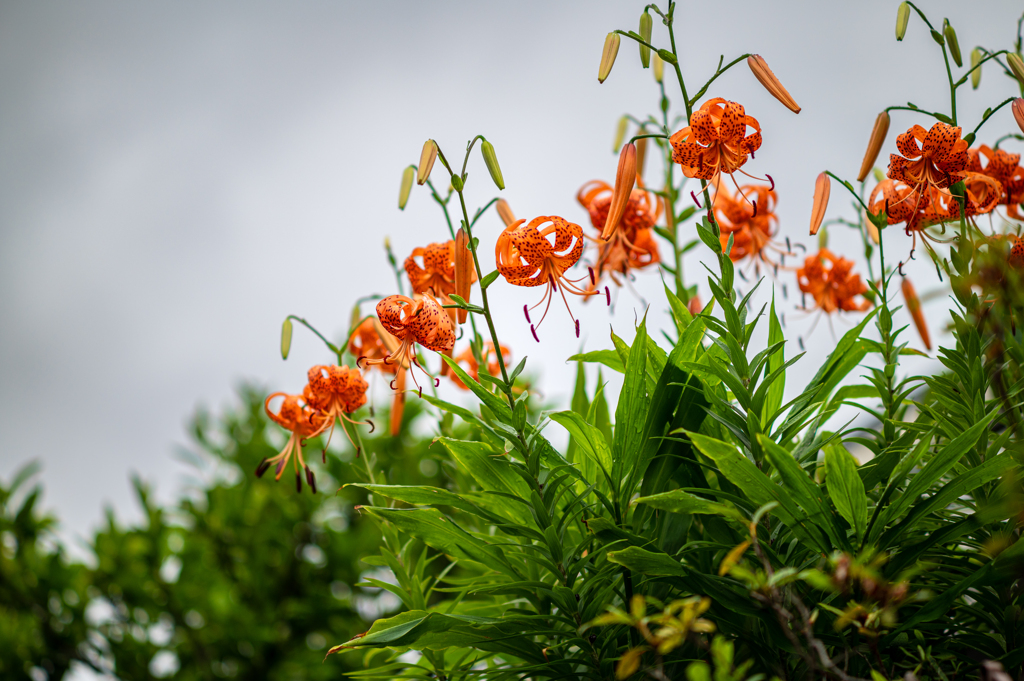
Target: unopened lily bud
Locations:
point(1018, 112)
point(914, 308)
point(659, 68)
point(646, 24)
point(611, 49)
point(694, 307)
point(505, 212)
point(822, 188)
point(872, 229)
point(951, 43)
point(823, 238)
point(878, 134)
point(408, 175)
point(641, 153)
point(491, 161)
point(764, 74)
point(975, 68)
point(463, 270)
point(427, 158)
point(286, 338)
point(625, 178)
point(620, 133)
point(398, 405)
point(1016, 65)
point(902, 19)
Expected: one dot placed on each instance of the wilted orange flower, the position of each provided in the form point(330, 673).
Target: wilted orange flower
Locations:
point(716, 140)
point(334, 392)
point(303, 422)
point(1003, 167)
point(490, 358)
point(934, 158)
point(749, 216)
point(830, 282)
point(526, 256)
point(411, 321)
point(631, 244)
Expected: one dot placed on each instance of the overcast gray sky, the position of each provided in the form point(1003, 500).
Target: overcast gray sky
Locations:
point(175, 178)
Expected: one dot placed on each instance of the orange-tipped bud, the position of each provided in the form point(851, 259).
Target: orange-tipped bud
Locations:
point(694, 307)
point(1018, 112)
point(822, 188)
point(463, 270)
point(427, 158)
point(878, 134)
point(398, 405)
point(764, 74)
point(641, 153)
point(914, 308)
point(625, 178)
point(504, 212)
point(611, 49)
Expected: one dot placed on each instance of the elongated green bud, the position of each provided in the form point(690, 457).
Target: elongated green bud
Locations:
point(1016, 65)
point(823, 238)
point(408, 175)
point(951, 43)
point(902, 19)
point(620, 133)
point(975, 68)
point(491, 161)
point(667, 56)
point(286, 338)
point(646, 24)
point(427, 158)
point(659, 68)
point(611, 49)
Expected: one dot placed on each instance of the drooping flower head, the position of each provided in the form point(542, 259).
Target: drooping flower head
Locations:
point(716, 140)
point(335, 392)
point(1005, 168)
point(303, 422)
point(749, 216)
point(370, 342)
point(467, 359)
point(931, 158)
point(830, 282)
point(631, 244)
point(413, 321)
point(538, 253)
point(435, 271)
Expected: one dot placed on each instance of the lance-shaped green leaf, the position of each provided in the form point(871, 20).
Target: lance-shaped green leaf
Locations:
point(845, 488)
point(609, 358)
point(488, 467)
point(679, 501)
point(631, 408)
point(590, 441)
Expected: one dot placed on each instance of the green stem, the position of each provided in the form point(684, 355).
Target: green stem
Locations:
point(952, 87)
point(985, 120)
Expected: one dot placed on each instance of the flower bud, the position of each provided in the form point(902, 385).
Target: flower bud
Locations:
point(408, 175)
point(505, 212)
point(764, 74)
point(822, 188)
point(902, 19)
point(620, 133)
point(694, 307)
point(611, 49)
point(659, 68)
point(427, 158)
point(872, 229)
point(398, 404)
point(641, 153)
point(975, 68)
point(491, 161)
point(286, 338)
point(1018, 112)
point(951, 43)
point(646, 24)
point(1016, 65)
point(823, 239)
point(878, 134)
point(914, 308)
point(625, 178)
point(667, 55)
point(463, 270)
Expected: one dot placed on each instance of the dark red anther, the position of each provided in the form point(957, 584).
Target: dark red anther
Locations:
point(262, 468)
point(324, 455)
point(694, 197)
point(751, 154)
point(526, 311)
point(392, 383)
point(310, 479)
point(912, 254)
point(755, 210)
point(577, 327)
point(279, 467)
point(359, 362)
point(372, 427)
point(359, 450)
point(593, 279)
point(298, 482)
point(533, 330)
point(437, 382)
point(800, 340)
point(421, 392)
point(899, 268)
point(608, 296)
point(772, 188)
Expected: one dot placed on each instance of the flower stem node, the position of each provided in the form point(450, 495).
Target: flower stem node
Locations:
point(611, 50)
point(760, 69)
point(491, 161)
point(427, 158)
point(902, 19)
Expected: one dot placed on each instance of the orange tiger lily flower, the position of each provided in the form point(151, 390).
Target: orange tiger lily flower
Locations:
point(304, 422)
point(1016, 257)
point(490, 358)
point(931, 158)
point(631, 244)
point(831, 283)
point(749, 216)
point(526, 256)
point(437, 273)
point(371, 342)
point(716, 140)
point(414, 321)
point(1005, 168)
point(335, 392)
